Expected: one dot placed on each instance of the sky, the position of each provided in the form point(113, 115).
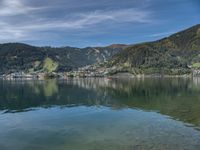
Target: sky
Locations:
point(82, 23)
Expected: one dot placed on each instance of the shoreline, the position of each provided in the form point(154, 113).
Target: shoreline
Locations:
point(116, 76)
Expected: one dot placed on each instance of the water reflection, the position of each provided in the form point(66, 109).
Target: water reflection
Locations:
point(178, 98)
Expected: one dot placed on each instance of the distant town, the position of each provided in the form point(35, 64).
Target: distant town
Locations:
point(92, 71)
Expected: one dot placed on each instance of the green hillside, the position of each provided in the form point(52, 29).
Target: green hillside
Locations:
point(176, 54)
point(172, 55)
point(16, 57)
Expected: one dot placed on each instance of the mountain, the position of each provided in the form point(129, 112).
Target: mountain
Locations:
point(176, 54)
point(16, 57)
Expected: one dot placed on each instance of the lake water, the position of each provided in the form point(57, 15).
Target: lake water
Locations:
point(100, 114)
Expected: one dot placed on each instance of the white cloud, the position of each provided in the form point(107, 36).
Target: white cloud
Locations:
point(86, 19)
point(161, 34)
point(28, 28)
point(14, 7)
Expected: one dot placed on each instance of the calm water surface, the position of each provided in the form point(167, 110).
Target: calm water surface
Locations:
point(100, 114)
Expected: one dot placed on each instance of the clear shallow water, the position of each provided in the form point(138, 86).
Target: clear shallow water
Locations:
point(92, 114)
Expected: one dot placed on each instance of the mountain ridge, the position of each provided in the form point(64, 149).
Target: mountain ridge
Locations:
point(178, 51)
point(175, 54)
point(15, 57)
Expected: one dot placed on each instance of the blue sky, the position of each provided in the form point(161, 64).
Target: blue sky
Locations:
point(82, 23)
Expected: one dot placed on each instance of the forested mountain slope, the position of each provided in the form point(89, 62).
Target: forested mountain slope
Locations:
point(22, 57)
point(179, 52)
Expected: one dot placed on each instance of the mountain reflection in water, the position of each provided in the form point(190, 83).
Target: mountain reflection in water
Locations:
point(178, 98)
